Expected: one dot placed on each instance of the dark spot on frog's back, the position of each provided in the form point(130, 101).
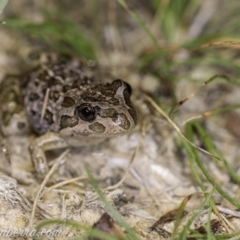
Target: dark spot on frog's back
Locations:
point(33, 97)
point(67, 102)
point(48, 116)
point(68, 121)
point(97, 127)
point(33, 113)
point(89, 99)
point(21, 125)
point(54, 95)
point(66, 88)
point(52, 81)
point(116, 84)
point(109, 113)
point(36, 82)
point(43, 76)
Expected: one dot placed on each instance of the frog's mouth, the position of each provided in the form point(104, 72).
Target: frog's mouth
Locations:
point(83, 139)
point(85, 133)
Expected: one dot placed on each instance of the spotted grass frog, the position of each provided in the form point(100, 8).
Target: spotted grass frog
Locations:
point(65, 107)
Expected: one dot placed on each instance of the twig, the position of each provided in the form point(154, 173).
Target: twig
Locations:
point(154, 104)
point(126, 172)
point(49, 174)
point(44, 107)
point(60, 184)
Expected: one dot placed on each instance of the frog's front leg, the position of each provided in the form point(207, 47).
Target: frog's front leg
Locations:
point(39, 145)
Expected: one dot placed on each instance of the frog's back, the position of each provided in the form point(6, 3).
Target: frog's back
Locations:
point(59, 97)
point(51, 88)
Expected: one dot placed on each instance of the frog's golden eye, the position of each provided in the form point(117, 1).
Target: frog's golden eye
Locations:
point(86, 112)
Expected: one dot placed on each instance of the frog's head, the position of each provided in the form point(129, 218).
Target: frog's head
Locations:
point(103, 111)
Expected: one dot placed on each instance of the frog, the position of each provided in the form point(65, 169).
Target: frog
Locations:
point(65, 106)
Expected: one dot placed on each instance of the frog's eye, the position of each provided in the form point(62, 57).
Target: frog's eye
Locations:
point(86, 112)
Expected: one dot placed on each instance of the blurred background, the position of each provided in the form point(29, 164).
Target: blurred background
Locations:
point(172, 50)
point(169, 40)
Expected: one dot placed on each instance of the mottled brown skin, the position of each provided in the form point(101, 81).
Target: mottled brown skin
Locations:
point(78, 109)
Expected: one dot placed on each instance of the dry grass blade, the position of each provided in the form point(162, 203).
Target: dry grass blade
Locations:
point(106, 224)
point(212, 112)
point(39, 194)
point(223, 44)
point(46, 97)
point(60, 184)
point(178, 105)
point(180, 212)
point(215, 77)
point(207, 113)
point(126, 172)
point(228, 211)
point(168, 217)
point(154, 104)
point(183, 234)
point(222, 219)
point(202, 115)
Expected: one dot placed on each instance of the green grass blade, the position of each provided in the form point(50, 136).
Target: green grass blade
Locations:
point(212, 148)
point(183, 234)
point(62, 35)
point(160, 52)
point(141, 23)
point(189, 133)
point(78, 226)
point(3, 4)
point(118, 218)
